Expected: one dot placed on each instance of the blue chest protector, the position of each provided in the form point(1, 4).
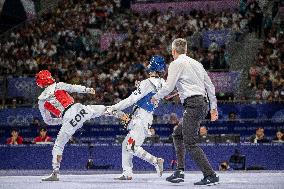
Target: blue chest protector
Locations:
point(145, 102)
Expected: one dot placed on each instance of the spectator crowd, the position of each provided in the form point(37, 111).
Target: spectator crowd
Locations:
point(267, 73)
point(67, 42)
point(16, 139)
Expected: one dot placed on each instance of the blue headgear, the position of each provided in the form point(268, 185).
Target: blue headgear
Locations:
point(156, 64)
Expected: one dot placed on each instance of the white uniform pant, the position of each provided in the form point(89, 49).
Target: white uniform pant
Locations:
point(73, 120)
point(131, 145)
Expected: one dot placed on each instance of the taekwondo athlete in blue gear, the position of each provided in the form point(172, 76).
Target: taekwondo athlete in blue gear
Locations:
point(141, 119)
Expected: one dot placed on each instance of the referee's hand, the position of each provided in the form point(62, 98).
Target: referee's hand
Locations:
point(214, 115)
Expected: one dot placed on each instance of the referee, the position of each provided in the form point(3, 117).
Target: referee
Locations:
point(193, 85)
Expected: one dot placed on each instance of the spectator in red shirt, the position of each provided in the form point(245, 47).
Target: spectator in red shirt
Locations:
point(15, 139)
point(42, 136)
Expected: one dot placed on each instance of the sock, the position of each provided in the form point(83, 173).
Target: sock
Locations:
point(55, 163)
point(56, 166)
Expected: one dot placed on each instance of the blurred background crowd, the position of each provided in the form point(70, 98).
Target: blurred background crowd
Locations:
point(68, 41)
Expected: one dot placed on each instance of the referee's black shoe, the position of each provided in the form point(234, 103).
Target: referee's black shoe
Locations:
point(176, 177)
point(209, 180)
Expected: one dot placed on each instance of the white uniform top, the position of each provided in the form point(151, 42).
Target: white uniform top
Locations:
point(48, 95)
point(145, 87)
point(190, 78)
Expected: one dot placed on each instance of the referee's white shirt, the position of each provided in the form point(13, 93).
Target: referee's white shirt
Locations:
point(190, 78)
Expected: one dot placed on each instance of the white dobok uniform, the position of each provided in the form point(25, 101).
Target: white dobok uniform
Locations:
point(58, 107)
point(140, 122)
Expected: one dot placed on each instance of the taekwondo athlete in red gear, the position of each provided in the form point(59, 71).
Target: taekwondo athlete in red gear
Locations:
point(57, 107)
point(141, 119)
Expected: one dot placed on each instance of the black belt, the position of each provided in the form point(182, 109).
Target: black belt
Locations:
point(65, 110)
point(131, 116)
point(196, 96)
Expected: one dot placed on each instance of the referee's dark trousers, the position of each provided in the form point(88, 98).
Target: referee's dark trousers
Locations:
point(195, 110)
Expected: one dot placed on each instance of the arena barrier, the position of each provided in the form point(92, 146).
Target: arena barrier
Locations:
point(274, 112)
point(106, 156)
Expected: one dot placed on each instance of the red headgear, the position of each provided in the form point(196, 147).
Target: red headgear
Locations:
point(44, 78)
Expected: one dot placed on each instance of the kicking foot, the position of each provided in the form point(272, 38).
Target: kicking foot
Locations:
point(54, 176)
point(123, 177)
point(176, 177)
point(209, 180)
point(159, 166)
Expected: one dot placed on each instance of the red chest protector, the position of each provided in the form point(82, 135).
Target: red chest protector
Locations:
point(58, 102)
